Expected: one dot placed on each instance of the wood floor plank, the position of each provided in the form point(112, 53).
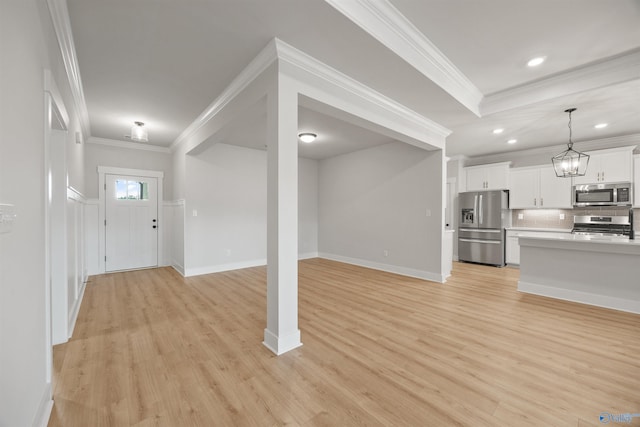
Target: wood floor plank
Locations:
point(152, 348)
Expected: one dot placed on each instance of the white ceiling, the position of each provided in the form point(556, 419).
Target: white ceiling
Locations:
point(163, 62)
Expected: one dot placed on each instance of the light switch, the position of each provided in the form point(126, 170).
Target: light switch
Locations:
point(195, 212)
point(7, 217)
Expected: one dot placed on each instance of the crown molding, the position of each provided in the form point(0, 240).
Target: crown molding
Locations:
point(328, 74)
point(260, 63)
point(457, 157)
point(588, 145)
point(62, 27)
point(611, 71)
point(277, 50)
point(127, 145)
point(386, 24)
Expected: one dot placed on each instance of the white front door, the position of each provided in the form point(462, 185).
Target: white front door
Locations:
point(131, 226)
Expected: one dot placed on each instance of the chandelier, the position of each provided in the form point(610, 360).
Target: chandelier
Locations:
point(570, 162)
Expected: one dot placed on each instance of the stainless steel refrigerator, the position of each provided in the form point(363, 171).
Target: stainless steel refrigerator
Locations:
point(483, 218)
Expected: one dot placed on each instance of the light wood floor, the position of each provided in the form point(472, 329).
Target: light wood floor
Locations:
point(152, 348)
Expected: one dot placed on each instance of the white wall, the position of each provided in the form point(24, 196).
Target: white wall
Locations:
point(226, 185)
point(28, 46)
point(105, 155)
point(375, 200)
point(307, 208)
point(174, 235)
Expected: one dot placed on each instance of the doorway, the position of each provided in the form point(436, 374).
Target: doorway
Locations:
point(130, 218)
point(131, 227)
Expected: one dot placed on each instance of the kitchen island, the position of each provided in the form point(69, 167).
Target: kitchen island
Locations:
point(597, 270)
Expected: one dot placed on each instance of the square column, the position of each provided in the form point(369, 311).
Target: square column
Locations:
point(282, 333)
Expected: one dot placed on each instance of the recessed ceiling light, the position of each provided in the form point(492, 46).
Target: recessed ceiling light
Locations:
point(512, 141)
point(534, 62)
point(497, 131)
point(601, 125)
point(307, 137)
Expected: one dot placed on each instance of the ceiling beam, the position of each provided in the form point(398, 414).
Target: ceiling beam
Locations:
point(386, 24)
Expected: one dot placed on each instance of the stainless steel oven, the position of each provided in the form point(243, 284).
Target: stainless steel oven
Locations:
point(602, 195)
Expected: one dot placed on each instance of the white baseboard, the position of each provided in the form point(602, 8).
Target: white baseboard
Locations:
point(404, 271)
point(224, 267)
point(579, 296)
point(308, 255)
point(280, 345)
point(236, 265)
point(76, 310)
point(179, 268)
point(41, 418)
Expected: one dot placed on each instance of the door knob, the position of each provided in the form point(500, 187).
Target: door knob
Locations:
point(155, 226)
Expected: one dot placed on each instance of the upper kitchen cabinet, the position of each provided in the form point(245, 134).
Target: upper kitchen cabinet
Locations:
point(606, 166)
point(538, 187)
point(487, 177)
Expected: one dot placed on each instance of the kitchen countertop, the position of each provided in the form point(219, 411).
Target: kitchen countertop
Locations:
point(596, 270)
point(577, 242)
point(618, 240)
point(557, 230)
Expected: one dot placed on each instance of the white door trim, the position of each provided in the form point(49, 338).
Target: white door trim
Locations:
point(56, 119)
point(109, 170)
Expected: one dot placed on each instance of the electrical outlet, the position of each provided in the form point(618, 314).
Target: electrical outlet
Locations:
point(428, 212)
point(194, 212)
point(385, 252)
point(228, 252)
point(561, 216)
point(520, 216)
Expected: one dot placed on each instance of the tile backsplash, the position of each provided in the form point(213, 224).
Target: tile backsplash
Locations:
point(550, 218)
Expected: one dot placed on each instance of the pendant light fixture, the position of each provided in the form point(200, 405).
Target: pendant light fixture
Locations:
point(139, 133)
point(570, 162)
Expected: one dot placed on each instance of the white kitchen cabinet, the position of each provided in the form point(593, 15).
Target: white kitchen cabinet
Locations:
point(512, 250)
point(636, 180)
point(487, 177)
point(538, 187)
point(605, 166)
point(525, 188)
point(555, 193)
point(512, 247)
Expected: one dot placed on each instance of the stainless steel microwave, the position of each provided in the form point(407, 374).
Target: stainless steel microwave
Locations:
point(602, 195)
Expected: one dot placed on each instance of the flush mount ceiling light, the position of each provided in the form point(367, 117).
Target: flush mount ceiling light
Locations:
point(534, 62)
point(307, 137)
point(498, 131)
point(570, 162)
point(512, 141)
point(601, 125)
point(139, 133)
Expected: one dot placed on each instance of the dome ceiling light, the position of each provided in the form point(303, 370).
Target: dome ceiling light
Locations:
point(307, 137)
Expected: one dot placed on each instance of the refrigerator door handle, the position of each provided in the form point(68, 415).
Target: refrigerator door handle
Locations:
point(491, 242)
point(480, 215)
point(475, 209)
point(485, 230)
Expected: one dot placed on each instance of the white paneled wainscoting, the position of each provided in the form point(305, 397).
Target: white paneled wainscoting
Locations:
point(69, 269)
